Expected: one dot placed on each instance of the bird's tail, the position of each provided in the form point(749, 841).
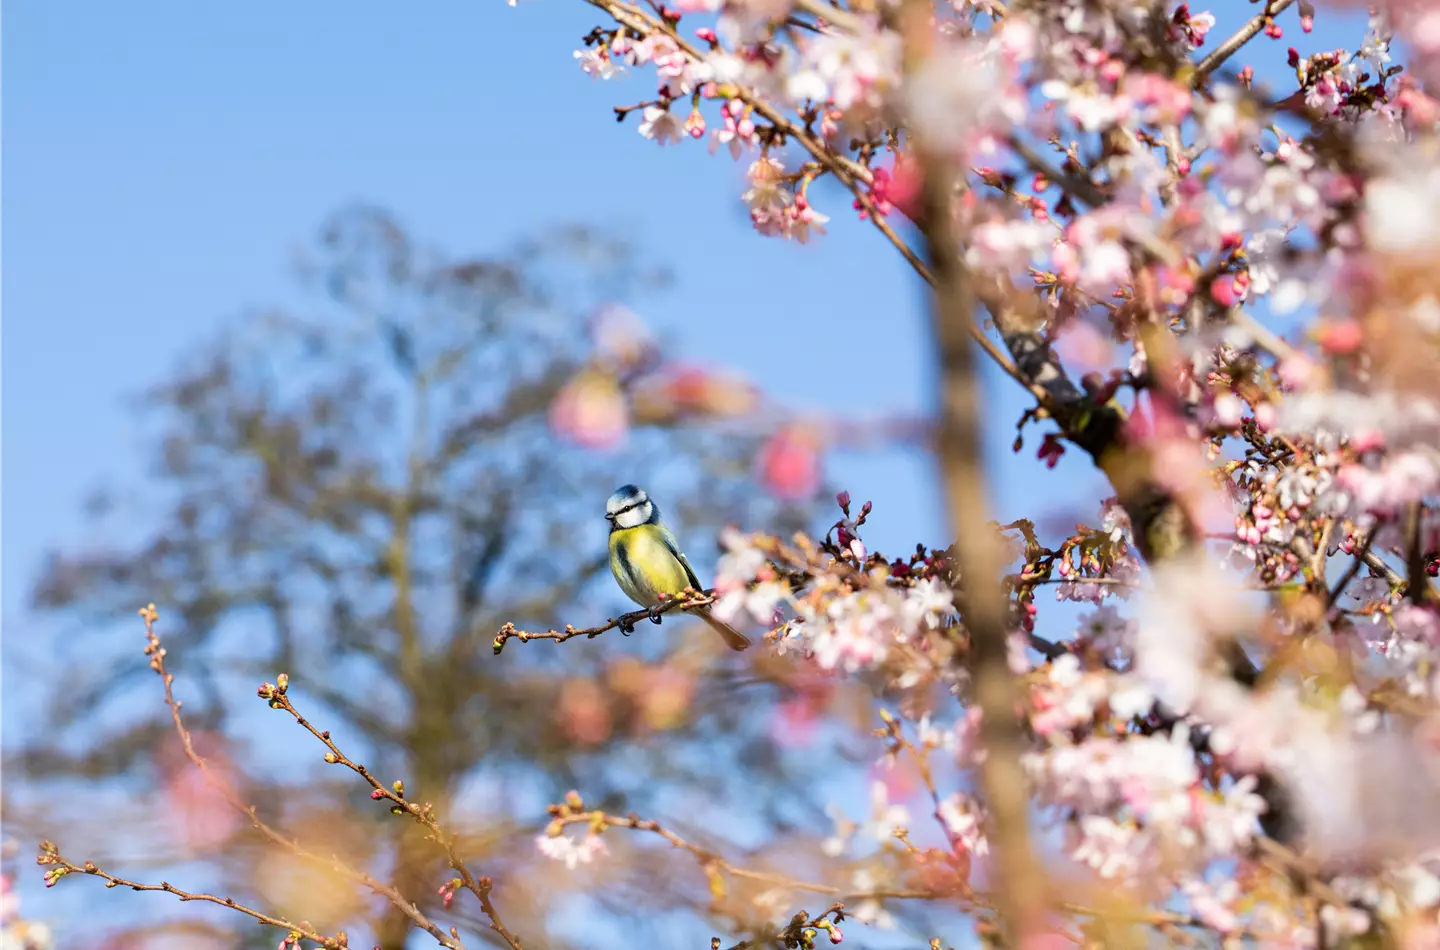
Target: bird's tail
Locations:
point(733, 638)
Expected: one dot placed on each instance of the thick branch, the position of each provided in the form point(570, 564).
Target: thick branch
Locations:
point(1019, 885)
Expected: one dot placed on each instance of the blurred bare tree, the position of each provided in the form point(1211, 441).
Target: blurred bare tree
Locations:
point(360, 498)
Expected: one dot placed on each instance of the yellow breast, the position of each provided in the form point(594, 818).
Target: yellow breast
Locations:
point(643, 565)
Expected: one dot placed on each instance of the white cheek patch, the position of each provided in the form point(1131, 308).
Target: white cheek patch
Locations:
point(634, 517)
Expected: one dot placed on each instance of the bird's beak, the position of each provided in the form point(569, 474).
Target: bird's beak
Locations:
point(609, 517)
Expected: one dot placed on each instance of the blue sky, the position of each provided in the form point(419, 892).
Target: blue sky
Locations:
point(164, 159)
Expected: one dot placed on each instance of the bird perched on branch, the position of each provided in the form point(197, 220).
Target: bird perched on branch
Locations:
point(647, 562)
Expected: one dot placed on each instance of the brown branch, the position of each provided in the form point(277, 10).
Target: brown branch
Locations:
point(1238, 39)
point(156, 651)
point(598, 821)
point(480, 887)
point(850, 173)
point(793, 934)
point(1019, 878)
point(50, 855)
point(684, 601)
point(1360, 558)
point(1417, 588)
point(1377, 563)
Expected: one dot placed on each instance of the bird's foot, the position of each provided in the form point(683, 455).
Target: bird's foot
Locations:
point(626, 627)
point(654, 615)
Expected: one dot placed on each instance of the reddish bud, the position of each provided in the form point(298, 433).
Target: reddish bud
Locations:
point(990, 177)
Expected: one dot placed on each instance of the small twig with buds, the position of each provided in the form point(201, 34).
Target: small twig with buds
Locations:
point(802, 930)
point(684, 601)
point(1238, 39)
point(573, 812)
point(156, 652)
point(59, 867)
point(277, 695)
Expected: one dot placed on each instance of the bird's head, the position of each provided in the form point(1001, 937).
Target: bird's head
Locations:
point(629, 507)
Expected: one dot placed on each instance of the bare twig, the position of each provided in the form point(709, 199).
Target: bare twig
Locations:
point(598, 821)
point(793, 933)
point(684, 601)
point(51, 856)
point(1360, 555)
point(156, 651)
point(480, 887)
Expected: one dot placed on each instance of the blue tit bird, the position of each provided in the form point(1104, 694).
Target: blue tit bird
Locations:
point(647, 561)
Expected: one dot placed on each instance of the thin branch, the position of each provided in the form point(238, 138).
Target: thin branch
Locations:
point(480, 887)
point(850, 173)
point(50, 855)
point(156, 651)
point(708, 859)
point(1231, 46)
point(821, 9)
point(1360, 555)
point(626, 621)
point(793, 934)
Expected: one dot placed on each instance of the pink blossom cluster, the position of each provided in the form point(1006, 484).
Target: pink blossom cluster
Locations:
point(1248, 263)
